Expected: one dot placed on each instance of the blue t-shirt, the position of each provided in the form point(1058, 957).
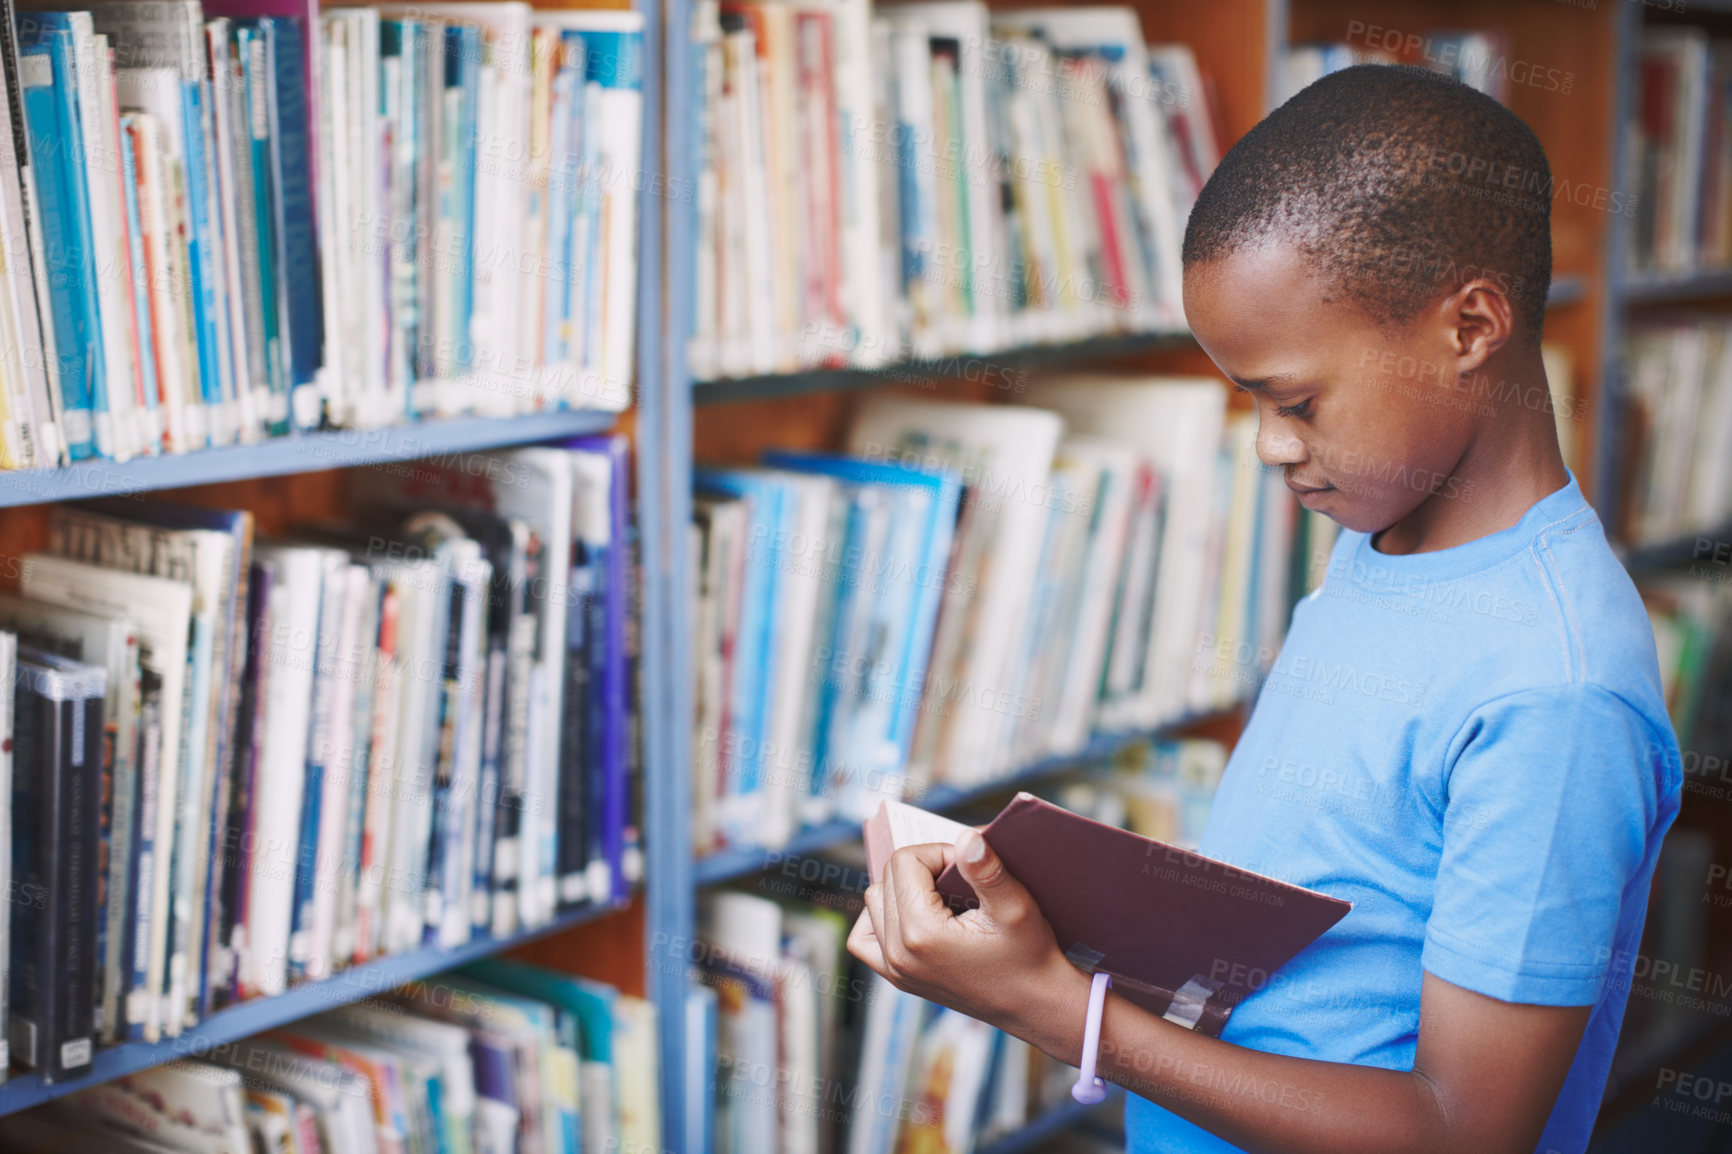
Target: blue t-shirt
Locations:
point(1471, 745)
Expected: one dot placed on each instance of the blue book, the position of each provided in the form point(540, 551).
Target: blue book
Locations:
point(565, 144)
point(204, 250)
point(603, 460)
point(326, 684)
point(462, 74)
point(249, 47)
point(916, 565)
point(297, 246)
point(755, 647)
point(837, 694)
point(48, 72)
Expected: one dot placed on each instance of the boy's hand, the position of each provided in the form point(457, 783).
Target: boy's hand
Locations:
point(999, 963)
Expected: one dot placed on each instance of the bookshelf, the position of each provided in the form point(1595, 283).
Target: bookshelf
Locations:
point(245, 1019)
point(288, 479)
point(285, 456)
point(1240, 46)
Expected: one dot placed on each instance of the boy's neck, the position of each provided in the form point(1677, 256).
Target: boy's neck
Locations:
point(1511, 464)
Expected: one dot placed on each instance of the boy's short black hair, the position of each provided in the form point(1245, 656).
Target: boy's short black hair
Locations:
point(1399, 182)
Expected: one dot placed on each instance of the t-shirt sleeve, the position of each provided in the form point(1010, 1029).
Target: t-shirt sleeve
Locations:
point(1550, 797)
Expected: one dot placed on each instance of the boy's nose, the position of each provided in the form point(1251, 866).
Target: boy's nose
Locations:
point(1277, 447)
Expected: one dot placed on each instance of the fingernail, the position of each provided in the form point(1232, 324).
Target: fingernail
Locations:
point(976, 851)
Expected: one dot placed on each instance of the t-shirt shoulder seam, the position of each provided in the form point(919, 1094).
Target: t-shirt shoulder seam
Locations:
point(1551, 577)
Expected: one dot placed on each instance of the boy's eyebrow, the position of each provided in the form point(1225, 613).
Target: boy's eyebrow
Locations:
point(1264, 384)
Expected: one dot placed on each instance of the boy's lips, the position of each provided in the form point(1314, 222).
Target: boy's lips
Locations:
point(1304, 490)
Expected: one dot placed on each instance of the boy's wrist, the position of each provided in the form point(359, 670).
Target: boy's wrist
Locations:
point(1053, 1019)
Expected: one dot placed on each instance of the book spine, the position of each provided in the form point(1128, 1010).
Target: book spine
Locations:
point(487, 788)
point(141, 1000)
point(320, 755)
point(183, 853)
point(23, 226)
point(246, 208)
point(252, 48)
point(215, 41)
point(51, 102)
point(507, 864)
point(81, 773)
point(139, 283)
point(441, 850)
point(381, 770)
point(227, 767)
point(297, 245)
point(203, 269)
point(236, 850)
point(360, 759)
point(34, 842)
point(577, 741)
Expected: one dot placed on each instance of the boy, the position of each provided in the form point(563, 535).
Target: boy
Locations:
point(1371, 263)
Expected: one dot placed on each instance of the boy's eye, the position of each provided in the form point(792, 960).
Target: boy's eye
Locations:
point(1299, 410)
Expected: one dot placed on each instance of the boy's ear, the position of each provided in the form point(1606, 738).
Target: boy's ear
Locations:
point(1482, 321)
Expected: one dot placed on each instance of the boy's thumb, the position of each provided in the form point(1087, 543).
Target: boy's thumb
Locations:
point(982, 869)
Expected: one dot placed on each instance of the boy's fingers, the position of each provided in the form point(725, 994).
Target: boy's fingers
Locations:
point(984, 871)
point(873, 899)
point(863, 943)
point(912, 874)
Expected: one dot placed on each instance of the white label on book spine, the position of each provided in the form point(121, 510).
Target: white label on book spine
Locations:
point(35, 71)
point(75, 1052)
point(77, 421)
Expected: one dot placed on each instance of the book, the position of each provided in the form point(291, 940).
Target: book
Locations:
point(112, 644)
point(1190, 954)
point(56, 794)
point(184, 1105)
point(162, 610)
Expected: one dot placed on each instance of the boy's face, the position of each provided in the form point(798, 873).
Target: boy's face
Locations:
point(1360, 418)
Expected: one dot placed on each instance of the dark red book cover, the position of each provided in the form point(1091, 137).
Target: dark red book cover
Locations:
point(1182, 935)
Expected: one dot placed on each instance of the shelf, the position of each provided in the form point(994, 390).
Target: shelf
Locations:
point(301, 453)
point(955, 365)
point(1569, 289)
point(245, 1019)
point(728, 864)
point(1050, 1124)
point(1665, 554)
point(1656, 288)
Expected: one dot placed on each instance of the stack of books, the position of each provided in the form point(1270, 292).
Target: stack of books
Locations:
point(1677, 435)
point(934, 178)
point(230, 222)
point(497, 1056)
point(975, 587)
point(811, 1051)
point(402, 731)
point(1681, 151)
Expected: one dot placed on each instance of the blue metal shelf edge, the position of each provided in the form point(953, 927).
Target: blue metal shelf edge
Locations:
point(302, 453)
point(1647, 558)
point(965, 365)
point(1650, 287)
point(1053, 1122)
point(244, 1019)
point(725, 865)
point(1567, 289)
